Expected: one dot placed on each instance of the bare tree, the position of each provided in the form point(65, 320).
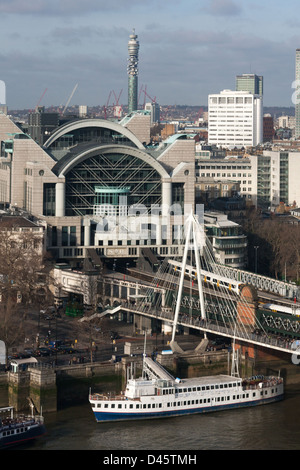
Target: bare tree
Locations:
point(22, 280)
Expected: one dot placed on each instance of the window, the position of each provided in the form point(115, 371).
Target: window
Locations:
point(64, 236)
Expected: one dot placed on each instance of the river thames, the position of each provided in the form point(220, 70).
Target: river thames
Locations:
point(269, 427)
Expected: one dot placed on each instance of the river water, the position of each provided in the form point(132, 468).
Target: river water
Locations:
point(270, 427)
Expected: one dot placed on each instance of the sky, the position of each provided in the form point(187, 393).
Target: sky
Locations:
point(188, 49)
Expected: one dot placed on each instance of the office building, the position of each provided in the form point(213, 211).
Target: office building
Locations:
point(235, 174)
point(235, 119)
point(249, 82)
point(98, 190)
point(268, 128)
point(154, 110)
point(132, 69)
point(265, 180)
point(41, 124)
point(227, 239)
point(2, 92)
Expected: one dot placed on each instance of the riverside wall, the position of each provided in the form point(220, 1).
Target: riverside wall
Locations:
point(50, 389)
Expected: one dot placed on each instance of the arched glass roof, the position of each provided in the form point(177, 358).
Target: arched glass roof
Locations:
point(82, 131)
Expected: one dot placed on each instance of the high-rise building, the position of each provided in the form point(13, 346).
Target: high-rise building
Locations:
point(235, 119)
point(268, 128)
point(154, 109)
point(2, 92)
point(41, 124)
point(297, 96)
point(249, 82)
point(132, 69)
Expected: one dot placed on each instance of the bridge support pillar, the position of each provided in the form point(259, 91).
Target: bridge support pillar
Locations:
point(247, 306)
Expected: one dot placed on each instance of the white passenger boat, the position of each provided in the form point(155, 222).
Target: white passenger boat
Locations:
point(157, 395)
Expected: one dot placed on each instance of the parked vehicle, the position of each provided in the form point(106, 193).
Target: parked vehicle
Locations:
point(43, 352)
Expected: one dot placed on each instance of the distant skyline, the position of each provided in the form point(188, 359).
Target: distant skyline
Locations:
point(188, 49)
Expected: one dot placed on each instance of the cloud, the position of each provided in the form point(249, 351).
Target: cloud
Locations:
point(63, 7)
point(223, 8)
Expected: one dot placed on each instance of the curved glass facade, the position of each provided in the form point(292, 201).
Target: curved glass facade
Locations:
point(120, 173)
point(83, 135)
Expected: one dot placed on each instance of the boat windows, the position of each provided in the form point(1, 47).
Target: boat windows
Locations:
point(105, 405)
point(113, 405)
point(131, 406)
point(120, 406)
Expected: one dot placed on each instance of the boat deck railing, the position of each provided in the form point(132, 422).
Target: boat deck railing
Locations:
point(110, 397)
point(258, 383)
point(20, 421)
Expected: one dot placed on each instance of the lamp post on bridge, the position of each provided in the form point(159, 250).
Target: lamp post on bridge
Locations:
point(256, 248)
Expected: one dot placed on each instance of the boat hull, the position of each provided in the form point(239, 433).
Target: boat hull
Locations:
point(18, 439)
point(102, 416)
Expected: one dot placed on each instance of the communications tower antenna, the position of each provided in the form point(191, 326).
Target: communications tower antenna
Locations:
point(132, 70)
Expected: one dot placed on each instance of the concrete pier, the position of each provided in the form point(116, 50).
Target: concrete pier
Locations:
point(35, 385)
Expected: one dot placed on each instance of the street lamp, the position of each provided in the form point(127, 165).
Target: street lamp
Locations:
point(256, 248)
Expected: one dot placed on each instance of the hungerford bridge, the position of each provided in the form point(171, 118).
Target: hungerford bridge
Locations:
point(212, 302)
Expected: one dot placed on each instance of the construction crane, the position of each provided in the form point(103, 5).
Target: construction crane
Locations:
point(67, 103)
point(153, 100)
point(200, 113)
point(141, 89)
point(106, 106)
point(117, 107)
point(36, 108)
